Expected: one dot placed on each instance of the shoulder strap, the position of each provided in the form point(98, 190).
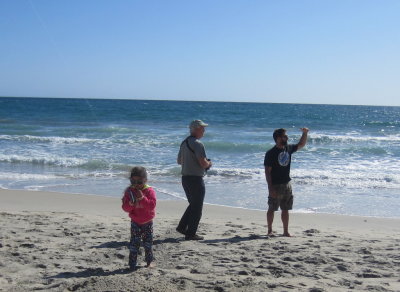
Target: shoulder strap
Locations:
point(190, 148)
point(187, 144)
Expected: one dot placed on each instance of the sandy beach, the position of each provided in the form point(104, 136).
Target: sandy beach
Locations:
point(65, 242)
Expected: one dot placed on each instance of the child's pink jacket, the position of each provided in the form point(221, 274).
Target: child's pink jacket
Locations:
point(143, 211)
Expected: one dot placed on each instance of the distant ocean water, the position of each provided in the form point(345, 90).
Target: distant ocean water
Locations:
point(351, 164)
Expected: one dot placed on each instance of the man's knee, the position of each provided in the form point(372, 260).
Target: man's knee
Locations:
point(285, 214)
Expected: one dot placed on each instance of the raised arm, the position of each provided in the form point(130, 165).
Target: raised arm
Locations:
point(303, 139)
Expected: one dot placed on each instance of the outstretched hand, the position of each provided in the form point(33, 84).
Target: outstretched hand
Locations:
point(303, 139)
point(304, 130)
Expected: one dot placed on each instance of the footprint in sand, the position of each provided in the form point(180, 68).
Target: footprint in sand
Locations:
point(289, 259)
point(234, 225)
point(336, 259)
point(364, 250)
point(341, 267)
point(311, 232)
point(181, 267)
point(27, 245)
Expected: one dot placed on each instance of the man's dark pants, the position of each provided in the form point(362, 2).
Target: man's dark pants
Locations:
point(195, 191)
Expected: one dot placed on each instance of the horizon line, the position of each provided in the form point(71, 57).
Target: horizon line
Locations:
point(185, 100)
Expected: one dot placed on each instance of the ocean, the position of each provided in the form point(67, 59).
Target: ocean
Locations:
point(351, 164)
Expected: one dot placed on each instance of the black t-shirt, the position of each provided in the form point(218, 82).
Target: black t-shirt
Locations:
point(279, 160)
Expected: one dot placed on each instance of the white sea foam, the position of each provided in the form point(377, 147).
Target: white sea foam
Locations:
point(365, 179)
point(236, 172)
point(320, 138)
point(169, 193)
point(43, 139)
point(42, 159)
point(305, 210)
point(26, 176)
point(47, 186)
point(214, 172)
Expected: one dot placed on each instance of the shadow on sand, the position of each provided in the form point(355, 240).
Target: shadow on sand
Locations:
point(90, 272)
point(235, 239)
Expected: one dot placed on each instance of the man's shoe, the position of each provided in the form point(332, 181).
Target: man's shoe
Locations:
point(181, 231)
point(194, 237)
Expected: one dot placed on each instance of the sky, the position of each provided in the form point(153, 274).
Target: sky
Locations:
point(299, 51)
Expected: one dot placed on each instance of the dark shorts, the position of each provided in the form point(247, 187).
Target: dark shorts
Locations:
point(284, 199)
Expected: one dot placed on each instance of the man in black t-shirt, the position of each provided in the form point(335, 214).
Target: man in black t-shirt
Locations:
point(277, 173)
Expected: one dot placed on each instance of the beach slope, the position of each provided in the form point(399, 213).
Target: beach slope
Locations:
point(65, 242)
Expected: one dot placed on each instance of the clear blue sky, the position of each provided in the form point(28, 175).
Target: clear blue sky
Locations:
point(321, 51)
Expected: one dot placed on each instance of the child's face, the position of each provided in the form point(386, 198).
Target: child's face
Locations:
point(138, 182)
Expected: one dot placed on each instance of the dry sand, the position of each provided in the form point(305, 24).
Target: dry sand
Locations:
point(64, 242)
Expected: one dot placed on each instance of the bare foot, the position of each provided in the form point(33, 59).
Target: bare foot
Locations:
point(287, 234)
point(271, 233)
point(151, 265)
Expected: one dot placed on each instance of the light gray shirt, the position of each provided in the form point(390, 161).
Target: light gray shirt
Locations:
point(189, 159)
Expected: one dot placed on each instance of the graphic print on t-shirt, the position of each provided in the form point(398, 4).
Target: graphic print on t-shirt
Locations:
point(284, 158)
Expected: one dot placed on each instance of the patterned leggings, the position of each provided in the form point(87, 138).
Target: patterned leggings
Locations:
point(138, 232)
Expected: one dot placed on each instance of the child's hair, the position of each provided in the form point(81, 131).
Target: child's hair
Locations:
point(139, 171)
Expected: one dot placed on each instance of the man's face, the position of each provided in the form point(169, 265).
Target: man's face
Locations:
point(199, 132)
point(283, 140)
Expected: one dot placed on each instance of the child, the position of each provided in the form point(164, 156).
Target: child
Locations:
point(140, 202)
